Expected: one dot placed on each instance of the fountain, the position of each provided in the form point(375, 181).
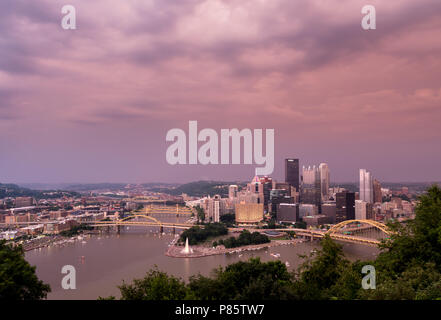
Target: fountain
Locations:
point(187, 249)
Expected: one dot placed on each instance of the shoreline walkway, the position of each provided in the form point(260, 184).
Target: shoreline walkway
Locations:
point(201, 251)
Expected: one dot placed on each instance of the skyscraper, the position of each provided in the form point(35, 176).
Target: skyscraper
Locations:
point(378, 196)
point(278, 196)
point(256, 187)
point(267, 183)
point(310, 190)
point(324, 181)
point(366, 186)
point(216, 207)
point(292, 173)
point(345, 206)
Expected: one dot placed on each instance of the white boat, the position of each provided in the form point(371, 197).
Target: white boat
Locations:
point(287, 263)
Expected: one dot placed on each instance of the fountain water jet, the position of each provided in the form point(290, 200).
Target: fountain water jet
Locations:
point(187, 249)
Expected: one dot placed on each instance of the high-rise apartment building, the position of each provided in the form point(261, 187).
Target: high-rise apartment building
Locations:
point(214, 207)
point(366, 186)
point(325, 179)
point(292, 173)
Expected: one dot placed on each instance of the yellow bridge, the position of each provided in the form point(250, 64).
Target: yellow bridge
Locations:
point(148, 221)
point(179, 210)
point(336, 232)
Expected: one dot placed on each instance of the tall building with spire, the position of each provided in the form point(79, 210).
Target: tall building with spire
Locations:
point(256, 187)
point(366, 186)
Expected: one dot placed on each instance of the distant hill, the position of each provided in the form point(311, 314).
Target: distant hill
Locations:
point(13, 191)
point(413, 186)
point(95, 186)
point(84, 187)
point(200, 188)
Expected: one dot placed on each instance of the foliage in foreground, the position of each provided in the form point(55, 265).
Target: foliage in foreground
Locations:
point(18, 280)
point(408, 267)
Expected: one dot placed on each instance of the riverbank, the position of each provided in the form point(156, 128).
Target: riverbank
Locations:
point(57, 240)
point(111, 258)
point(175, 251)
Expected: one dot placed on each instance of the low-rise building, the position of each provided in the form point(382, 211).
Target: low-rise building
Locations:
point(33, 229)
point(59, 226)
point(288, 212)
point(316, 220)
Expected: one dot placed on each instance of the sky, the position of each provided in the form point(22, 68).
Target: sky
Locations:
point(95, 104)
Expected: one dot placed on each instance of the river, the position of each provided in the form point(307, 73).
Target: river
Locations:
point(102, 262)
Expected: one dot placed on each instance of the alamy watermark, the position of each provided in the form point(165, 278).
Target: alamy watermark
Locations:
point(208, 153)
point(69, 281)
point(368, 281)
point(369, 21)
point(68, 21)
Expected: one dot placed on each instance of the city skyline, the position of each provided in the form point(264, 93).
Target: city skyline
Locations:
point(95, 104)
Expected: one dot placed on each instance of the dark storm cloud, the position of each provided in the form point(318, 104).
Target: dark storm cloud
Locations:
point(134, 69)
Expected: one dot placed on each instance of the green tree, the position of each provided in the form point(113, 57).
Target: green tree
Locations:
point(201, 214)
point(197, 234)
point(300, 225)
point(18, 280)
point(250, 280)
point(416, 282)
point(245, 238)
point(409, 264)
point(416, 242)
point(326, 274)
point(408, 267)
point(229, 219)
point(156, 285)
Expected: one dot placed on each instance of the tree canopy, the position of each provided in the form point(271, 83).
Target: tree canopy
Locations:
point(408, 267)
point(18, 280)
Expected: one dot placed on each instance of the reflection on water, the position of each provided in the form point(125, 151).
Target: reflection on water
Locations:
point(103, 262)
